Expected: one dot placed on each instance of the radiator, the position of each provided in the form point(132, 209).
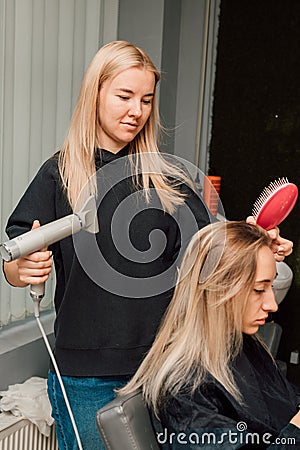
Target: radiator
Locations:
point(24, 435)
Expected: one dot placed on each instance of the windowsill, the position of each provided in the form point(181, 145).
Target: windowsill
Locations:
point(23, 353)
point(19, 334)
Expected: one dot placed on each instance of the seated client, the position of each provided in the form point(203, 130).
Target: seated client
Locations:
point(208, 380)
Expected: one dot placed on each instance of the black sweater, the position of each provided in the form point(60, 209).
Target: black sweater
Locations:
point(112, 289)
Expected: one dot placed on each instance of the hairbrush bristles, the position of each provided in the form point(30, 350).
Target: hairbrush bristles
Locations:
point(274, 186)
point(275, 203)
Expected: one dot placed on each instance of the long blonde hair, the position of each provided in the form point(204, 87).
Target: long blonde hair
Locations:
point(77, 155)
point(202, 329)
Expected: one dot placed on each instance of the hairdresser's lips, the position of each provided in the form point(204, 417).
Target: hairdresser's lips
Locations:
point(130, 126)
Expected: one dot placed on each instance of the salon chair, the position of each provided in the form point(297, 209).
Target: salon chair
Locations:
point(125, 424)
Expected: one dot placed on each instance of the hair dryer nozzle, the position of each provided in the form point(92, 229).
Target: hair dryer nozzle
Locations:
point(7, 251)
point(88, 215)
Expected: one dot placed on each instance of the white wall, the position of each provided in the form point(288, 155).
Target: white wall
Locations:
point(141, 23)
point(197, 52)
point(180, 37)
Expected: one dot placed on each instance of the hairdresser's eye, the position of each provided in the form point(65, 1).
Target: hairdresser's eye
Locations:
point(146, 102)
point(123, 97)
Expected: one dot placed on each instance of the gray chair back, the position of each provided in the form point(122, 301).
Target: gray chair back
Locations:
point(125, 424)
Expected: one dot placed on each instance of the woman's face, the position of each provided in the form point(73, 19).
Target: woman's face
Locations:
point(125, 105)
point(261, 300)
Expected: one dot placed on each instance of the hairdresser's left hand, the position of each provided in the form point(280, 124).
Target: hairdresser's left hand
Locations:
point(281, 247)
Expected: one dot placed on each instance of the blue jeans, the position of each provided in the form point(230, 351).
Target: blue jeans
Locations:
point(86, 395)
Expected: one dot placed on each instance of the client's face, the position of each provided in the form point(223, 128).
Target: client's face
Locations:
point(261, 301)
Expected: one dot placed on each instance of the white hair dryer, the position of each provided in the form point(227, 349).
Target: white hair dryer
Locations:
point(34, 240)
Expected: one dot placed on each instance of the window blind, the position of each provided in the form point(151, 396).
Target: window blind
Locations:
point(45, 47)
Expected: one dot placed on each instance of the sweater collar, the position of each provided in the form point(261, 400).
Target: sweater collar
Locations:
point(105, 156)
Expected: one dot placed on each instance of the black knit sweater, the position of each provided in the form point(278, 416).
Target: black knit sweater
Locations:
point(112, 289)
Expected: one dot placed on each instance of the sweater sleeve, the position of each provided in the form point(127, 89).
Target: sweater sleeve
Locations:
point(38, 202)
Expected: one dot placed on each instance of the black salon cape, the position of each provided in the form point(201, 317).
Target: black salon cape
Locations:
point(269, 404)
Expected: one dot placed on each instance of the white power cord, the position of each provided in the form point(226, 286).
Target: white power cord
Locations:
point(37, 316)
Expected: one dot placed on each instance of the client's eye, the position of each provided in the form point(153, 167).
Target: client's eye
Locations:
point(259, 291)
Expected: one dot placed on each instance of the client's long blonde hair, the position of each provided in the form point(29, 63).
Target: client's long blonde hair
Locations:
point(202, 329)
point(76, 158)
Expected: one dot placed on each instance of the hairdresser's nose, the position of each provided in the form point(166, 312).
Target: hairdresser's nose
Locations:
point(270, 304)
point(135, 108)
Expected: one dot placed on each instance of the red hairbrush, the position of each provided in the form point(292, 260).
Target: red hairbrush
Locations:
point(275, 203)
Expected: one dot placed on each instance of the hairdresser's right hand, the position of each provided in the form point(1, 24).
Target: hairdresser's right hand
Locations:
point(30, 269)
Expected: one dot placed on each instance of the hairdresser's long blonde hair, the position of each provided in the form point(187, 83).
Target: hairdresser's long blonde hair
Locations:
point(202, 329)
point(77, 155)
